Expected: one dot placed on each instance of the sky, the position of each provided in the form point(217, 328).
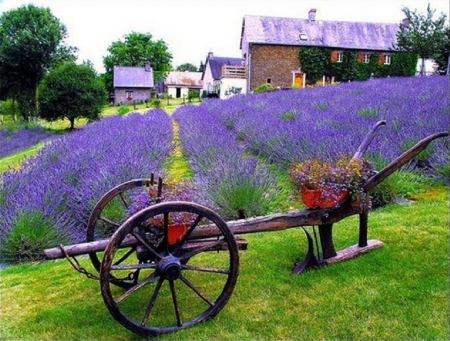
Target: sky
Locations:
point(192, 28)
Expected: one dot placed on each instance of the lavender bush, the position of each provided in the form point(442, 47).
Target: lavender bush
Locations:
point(68, 176)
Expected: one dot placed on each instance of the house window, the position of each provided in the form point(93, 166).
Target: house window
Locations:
point(129, 95)
point(387, 59)
point(337, 56)
point(269, 80)
point(366, 58)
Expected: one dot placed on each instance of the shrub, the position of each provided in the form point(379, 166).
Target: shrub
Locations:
point(31, 233)
point(155, 103)
point(265, 87)
point(123, 110)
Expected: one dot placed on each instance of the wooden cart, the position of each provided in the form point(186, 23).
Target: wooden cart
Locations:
point(156, 279)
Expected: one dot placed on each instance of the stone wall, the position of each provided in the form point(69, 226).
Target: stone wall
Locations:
point(139, 95)
point(275, 63)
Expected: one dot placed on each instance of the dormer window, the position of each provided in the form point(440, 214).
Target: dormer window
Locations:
point(303, 36)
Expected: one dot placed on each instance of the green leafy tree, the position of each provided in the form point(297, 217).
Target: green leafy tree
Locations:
point(71, 91)
point(442, 57)
point(31, 43)
point(135, 50)
point(187, 67)
point(421, 34)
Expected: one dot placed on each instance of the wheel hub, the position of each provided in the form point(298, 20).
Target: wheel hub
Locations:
point(170, 267)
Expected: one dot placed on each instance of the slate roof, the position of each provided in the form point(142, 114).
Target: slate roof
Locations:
point(184, 78)
point(215, 64)
point(132, 77)
point(335, 34)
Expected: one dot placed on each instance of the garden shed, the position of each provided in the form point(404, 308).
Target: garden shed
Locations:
point(178, 83)
point(132, 84)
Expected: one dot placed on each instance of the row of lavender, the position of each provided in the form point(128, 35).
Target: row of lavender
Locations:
point(62, 184)
point(12, 141)
point(286, 126)
point(234, 182)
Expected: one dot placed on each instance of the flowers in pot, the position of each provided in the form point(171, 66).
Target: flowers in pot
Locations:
point(325, 184)
point(178, 222)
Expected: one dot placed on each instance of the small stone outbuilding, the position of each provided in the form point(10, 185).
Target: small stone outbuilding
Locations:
point(132, 84)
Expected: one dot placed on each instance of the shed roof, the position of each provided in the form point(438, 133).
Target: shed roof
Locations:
point(306, 32)
point(184, 78)
point(131, 76)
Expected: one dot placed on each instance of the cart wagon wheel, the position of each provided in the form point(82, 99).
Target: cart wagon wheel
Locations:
point(109, 213)
point(179, 283)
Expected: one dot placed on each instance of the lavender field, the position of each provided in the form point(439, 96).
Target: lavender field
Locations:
point(235, 148)
point(293, 125)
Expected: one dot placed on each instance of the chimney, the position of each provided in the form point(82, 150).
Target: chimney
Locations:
point(405, 22)
point(210, 55)
point(147, 66)
point(312, 14)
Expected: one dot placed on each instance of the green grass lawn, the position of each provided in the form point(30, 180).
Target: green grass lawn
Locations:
point(397, 292)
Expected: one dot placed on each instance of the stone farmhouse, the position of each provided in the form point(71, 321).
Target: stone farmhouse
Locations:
point(132, 84)
point(270, 45)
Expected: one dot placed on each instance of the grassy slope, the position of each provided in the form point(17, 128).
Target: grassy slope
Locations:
point(398, 292)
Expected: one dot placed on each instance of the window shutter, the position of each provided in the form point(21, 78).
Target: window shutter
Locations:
point(334, 55)
point(360, 57)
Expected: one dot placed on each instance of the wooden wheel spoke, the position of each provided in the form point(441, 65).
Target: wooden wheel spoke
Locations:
point(125, 256)
point(124, 201)
point(109, 221)
point(152, 301)
point(206, 269)
point(175, 303)
point(136, 287)
point(210, 246)
point(198, 292)
point(133, 266)
point(147, 245)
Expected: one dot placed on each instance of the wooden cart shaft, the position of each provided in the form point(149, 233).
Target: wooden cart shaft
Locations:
point(274, 222)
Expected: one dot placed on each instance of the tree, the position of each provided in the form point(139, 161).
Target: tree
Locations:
point(201, 68)
point(31, 42)
point(421, 34)
point(136, 50)
point(187, 67)
point(71, 91)
point(442, 57)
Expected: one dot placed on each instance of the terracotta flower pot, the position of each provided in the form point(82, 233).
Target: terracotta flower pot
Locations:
point(176, 232)
point(316, 198)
